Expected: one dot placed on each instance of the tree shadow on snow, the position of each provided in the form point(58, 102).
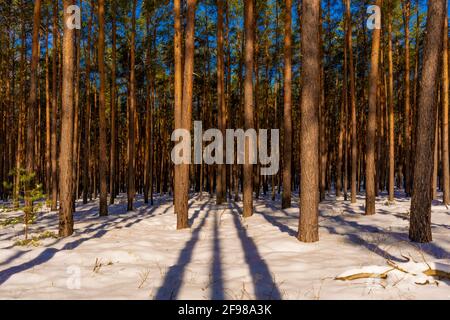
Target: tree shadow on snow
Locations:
point(263, 282)
point(174, 277)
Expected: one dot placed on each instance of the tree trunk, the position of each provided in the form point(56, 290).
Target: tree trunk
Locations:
point(66, 147)
point(287, 167)
point(178, 94)
point(353, 104)
point(103, 160)
point(420, 221)
point(309, 144)
point(221, 169)
point(132, 111)
point(444, 116)
point(54, 141)
point(87, 116)
point(32, 100)
point(391, 109)
point(406, 8)
point(372, 121)
point(248, 104)
point(114, 154)
point(186, 116)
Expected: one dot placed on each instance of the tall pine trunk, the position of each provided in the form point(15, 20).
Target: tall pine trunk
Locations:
point(221, 169)
point(131, 113)
point(248, 104)
point(391, 108)
point(67, 116)
point(186, 116)
point(420, 221)
point(103, 161)
point(287, 158)
point(309, 143)
point(354, 146)
point(372, 121)
point(444, 115)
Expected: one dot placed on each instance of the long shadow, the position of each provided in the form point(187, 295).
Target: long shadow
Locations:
point(217, 274)
point(281, 226)
point(196, 213)
point(44, 256)
point(263, 282)
point(174, 277)
point(429, 248)
point(47, 254)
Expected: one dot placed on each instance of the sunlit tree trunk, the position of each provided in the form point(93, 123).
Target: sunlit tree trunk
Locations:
point(103, 160)
point(67, 116)
point(420, 221)
point(287, 152)
point(444, 116)
point(186, 117)
point(372, 121)
point(131, 113)
point(221, 169)
point(248, 104)
point(391, 108)
point(309, 143)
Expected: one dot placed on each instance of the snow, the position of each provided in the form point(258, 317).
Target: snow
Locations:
point(140, 255)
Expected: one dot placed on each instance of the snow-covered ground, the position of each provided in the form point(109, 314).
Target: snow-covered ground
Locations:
point(140, 255)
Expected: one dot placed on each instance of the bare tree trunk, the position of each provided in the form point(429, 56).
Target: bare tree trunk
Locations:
point(309, 144)
point(32, 100)
point(186, 116)
point(114, 154)
point(391, 109)
point(87, 117)
point(248, 104)
point(420, 221)
point(54, 140)
point(178, 94)
point(372, 121)
point(353, 104)
point(287, 157)
point(66, 147)
point(103, 160)
point(444, 116)
point(132, 111)
point(406, 8)
point(221, 169)
point(48, 141)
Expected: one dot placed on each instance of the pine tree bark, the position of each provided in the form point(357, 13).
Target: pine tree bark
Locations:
point(87, 116)
point(444, 116)
point(248, 104)
point(372, 121)
point(406, 8)
point(103, 161)
point(309, 143)
point(66, 147)
point(186, 116)
point(221, 169)
point(113, 181)
point(48, 139)
point(420, 220)
point(54, 106)
point(178, 92)
point(354, 146)
point(287, 158)
point(32, 100)
point(131, 114)
point(391, 109)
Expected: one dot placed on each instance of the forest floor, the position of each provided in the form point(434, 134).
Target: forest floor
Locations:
point(140, 255)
